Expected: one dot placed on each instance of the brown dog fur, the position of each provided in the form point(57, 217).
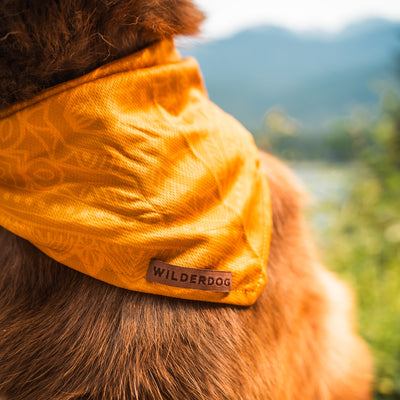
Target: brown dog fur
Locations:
point(64, 335)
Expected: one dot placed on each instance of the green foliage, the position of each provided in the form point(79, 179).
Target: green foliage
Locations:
point(363, 243)
point(291, 141)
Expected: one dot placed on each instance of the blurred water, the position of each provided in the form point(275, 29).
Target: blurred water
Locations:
point(328, 186)
point(325, 181)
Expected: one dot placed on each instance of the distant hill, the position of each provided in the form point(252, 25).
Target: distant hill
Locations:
point(314, 77)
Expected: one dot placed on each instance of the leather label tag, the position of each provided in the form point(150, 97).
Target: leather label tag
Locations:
point(189, 278)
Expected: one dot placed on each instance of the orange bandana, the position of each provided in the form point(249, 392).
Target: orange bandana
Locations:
point(132, 164)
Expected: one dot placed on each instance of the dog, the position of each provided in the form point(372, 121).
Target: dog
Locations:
point(65, 335)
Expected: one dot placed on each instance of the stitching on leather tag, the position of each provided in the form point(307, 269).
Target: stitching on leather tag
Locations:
point(189, 278)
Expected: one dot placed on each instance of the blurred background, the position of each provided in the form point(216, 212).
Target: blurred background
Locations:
point(318, 84)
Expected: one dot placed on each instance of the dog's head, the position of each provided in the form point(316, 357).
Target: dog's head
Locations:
point(45, 42)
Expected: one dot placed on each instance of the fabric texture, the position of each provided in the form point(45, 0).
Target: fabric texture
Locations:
point(131, 163)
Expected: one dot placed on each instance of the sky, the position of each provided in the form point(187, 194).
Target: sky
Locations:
point(228, 16)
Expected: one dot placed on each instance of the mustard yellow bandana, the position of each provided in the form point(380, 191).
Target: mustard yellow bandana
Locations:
point(132, 176)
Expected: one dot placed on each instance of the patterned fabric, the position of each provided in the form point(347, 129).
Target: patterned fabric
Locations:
point(130, 163)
